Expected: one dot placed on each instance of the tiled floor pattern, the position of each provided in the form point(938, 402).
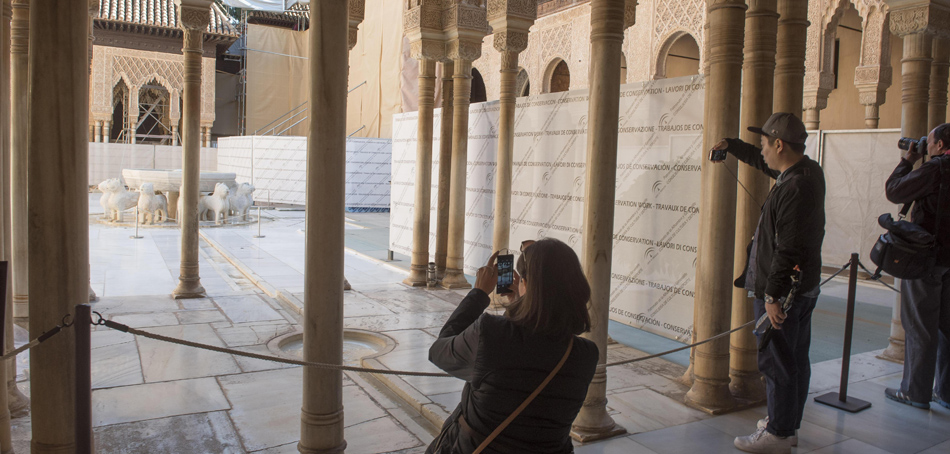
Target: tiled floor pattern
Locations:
point(156, 397)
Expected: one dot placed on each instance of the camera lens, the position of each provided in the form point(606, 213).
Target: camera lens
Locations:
point(904, 143)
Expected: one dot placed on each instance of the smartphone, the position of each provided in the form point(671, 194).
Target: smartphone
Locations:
point(506, 265)
point(717, 155)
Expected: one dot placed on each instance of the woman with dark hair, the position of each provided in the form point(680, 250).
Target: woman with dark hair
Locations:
point(533, 350)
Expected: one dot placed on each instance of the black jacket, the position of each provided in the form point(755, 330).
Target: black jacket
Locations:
point(906, 185)
point(502, 364)
point(791, 227)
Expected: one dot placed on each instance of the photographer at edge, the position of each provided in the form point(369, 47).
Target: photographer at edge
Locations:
point(786, 244)
point(925, 302)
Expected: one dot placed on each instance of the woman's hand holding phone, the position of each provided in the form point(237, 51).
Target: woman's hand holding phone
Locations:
point(487, 276)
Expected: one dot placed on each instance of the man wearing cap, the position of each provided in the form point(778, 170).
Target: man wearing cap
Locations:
point(789, 235)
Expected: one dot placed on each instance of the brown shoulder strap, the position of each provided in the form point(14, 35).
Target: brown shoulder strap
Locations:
point(527, 401)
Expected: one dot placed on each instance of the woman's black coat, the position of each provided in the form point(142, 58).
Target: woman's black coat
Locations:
point(502, 363)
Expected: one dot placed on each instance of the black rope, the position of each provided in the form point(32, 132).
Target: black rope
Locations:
point(846, 265)
point(877, 277)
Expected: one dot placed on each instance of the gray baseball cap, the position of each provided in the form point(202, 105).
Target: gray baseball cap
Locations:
point(785, 126)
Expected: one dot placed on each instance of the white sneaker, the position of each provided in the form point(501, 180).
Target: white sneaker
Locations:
point(763, 442)
point(765, 422)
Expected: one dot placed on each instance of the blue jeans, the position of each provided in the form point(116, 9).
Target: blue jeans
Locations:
point(786, 367)
point(925, 316)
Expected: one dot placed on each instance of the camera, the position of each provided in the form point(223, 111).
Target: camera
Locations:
point(905, 142)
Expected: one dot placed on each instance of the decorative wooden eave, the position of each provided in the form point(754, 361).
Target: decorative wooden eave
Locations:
point(159, 18)
point(548, 7)
point(298, 14)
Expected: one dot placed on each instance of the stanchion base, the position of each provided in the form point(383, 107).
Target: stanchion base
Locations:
point(133, 237)
point(850, 405)
point(260, 236)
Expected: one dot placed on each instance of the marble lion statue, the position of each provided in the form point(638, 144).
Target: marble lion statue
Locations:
point(120, 199)
point(152, 207)
point(216, 203)
point(241, 200)
point(107, 187)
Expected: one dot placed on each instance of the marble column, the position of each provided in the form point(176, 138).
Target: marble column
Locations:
point(6, 15)
point(465, 25)
point(757, 80)
point(107, 131)
point(97, 131)
point(321, 419)
point(895, 340)
point(58, 208)
point(194, 21)
point(462, 89)
point(712, 311)
point(174, 133)
point(20, 121)
point(420, 210)
point(939, 77)
point(445, 169)
point(510, 21)
point(873, 75)
point(790, 56)
point(606, 41)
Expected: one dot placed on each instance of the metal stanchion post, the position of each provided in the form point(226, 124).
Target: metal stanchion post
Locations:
point(258, 223)
point(136, 236)
point(81, 325)
point(840, 399)
point(389, 255)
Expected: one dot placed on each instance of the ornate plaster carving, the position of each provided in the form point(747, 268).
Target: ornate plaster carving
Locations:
point(511, 41)
point(194, 17)
point(669, 17)
point(929, 18)
point(356, 14)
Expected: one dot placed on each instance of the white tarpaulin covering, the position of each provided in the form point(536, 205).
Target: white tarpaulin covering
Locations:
point(277, 167)
point(657, 203)
point(264, 5)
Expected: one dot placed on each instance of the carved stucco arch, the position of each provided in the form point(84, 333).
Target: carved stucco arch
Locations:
point(173, 94)
point(659, 63)
point(873, 74)
point(549, 73)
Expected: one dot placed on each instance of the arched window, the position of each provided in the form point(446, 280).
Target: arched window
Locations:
point(680, 59)
point(479, 94)
point(623, 68)
point(522, 85)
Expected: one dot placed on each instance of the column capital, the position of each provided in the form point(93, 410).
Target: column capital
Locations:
point(872, 83)
point(908, 17)
point(357, 10)
point(422, 25)
point(464, 25)
point(7, 11)
point(94, 7)
point(194, 16)
point(20, 27)
point(629, 14)
point(510, 21)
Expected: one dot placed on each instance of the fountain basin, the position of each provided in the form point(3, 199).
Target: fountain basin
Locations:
point(357, 345)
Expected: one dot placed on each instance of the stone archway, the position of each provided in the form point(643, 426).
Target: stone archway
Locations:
point(154, 124)
point(623, 68)
point(120, 107)
point(479, 92)
point(522, 84)
point(679, 56)
point(557, 77)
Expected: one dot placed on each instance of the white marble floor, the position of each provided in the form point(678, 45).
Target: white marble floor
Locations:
point(156, 397)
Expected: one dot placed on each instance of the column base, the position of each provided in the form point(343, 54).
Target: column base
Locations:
point(17, 402)
point(455, 279)
point(747, 386)
point(21, 306)
point(188, 289)
point(417, 276)
point(604, 427)
point(346, 285)
point(712, 398)
point(687, 378)
point(92, 295)
point(894, 352)
point(337, 450)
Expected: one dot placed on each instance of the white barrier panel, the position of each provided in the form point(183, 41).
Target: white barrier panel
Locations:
point(657, 201)
point(277, 167)
point(106, 160)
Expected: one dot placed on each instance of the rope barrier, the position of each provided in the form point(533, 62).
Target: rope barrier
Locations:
point(878, 278)
point(158, 337)
point(39, 340)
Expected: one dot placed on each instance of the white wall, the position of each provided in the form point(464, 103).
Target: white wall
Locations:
point(106, 160)
point(276, 166)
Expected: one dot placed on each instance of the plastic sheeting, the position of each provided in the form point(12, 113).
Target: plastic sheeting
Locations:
point(277, 166)
point(106, 160)
point(278, 79)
